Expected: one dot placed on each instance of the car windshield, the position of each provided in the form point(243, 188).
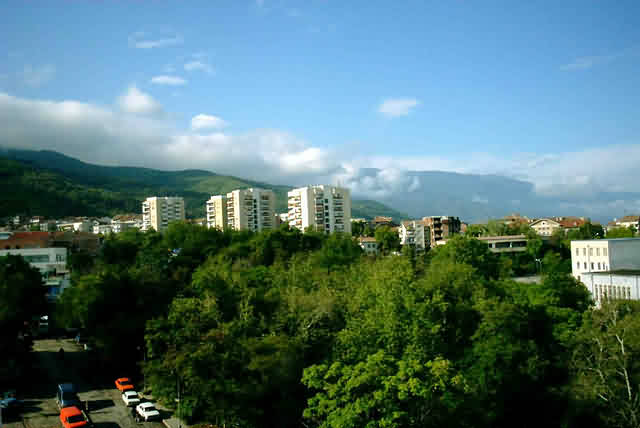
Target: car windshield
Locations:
point(75, 418)
point(131, 395)
point(149, 408)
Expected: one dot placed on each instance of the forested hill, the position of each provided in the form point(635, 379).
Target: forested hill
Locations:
point(52, 184)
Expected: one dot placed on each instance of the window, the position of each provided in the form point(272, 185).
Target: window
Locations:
point(604, 251)
point(578, 265)
point(577, 251)
point(585, 265)
point(597, 251)
point(591, 251)
point(584, 251)
point(592, 266)
point(598, 266)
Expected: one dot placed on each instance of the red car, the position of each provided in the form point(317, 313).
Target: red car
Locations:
point(72, 417)
point(124, 384)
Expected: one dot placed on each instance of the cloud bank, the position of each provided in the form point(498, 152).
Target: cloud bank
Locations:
point(135, 131)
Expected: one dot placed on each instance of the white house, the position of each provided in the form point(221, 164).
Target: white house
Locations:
point(369, 245)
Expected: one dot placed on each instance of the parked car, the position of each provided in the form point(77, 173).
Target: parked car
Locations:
point(67, 396)
point(124, 384)
point(72, 417)
point(130, 398)
point(10, 406)
point(147, 411)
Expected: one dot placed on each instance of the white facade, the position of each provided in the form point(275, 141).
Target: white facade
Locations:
point(505, 244)
point(44, 259)
point(216, 209)
point(77, 226)
point(545, 226)
point(323, 208)
point(602, 255)
point(52, 264)
point(158, 212)
point(103, 229)
point(414, 232)
point(251, 209)
point(369, 245)
point(612, 286)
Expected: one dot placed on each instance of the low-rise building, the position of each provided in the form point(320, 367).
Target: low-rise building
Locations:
point(505, 244)
point(603, 255)
point(545, 226)
point(415, 233)
point(626, 221)
point(368, 245)
point(612, 285)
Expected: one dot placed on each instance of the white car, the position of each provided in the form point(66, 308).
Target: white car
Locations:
point(130, 398)
point(147, 411)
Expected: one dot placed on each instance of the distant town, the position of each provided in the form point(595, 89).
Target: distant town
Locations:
point(45, 243)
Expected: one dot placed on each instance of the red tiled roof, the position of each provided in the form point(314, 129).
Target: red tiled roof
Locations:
point(26, 240)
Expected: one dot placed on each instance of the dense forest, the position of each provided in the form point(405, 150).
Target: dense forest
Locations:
point(54, 185)
point(284, 329)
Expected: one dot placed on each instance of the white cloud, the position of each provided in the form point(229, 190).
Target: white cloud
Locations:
point(144, 40)
point(137, 102)
point(198, 66)
point(38, 76)
point(137, 134)
point(587, 62)
point(205, 121)
point(394, 107)
point(168, 80)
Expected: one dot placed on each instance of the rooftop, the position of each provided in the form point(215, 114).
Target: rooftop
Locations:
point(629, 272)
point(502, 238)
point(612, 239)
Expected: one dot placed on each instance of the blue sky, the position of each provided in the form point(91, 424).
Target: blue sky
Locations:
point(296, 91)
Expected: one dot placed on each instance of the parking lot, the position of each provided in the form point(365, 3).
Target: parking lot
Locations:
point(105, 406)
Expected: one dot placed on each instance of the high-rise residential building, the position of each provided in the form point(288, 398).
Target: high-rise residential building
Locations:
point(324, 208)
point(158, 212)
point(415, 233)
point(217, 212)
point(251, 209)
point(442, 227)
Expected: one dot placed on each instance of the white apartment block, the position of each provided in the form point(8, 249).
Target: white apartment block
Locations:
point(216, 208)
point(604, 255)
point(324, 208)
point(158, 212)
point(251, 209)
point(415, 233)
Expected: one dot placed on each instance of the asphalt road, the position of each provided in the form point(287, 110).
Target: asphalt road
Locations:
point(106, 408)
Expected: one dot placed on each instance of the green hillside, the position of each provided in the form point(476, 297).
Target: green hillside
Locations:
point(52, 184)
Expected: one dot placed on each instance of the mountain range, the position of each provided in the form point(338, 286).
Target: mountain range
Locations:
point(52, 184)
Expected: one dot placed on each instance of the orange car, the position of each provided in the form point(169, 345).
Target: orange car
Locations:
point(124, 384)
point(72, 417)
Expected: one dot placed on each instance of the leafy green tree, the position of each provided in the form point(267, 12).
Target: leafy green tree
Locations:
point(606, 363)
point(463, 249)
point(22, 300)
point(621, 232)
point(388, 239)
